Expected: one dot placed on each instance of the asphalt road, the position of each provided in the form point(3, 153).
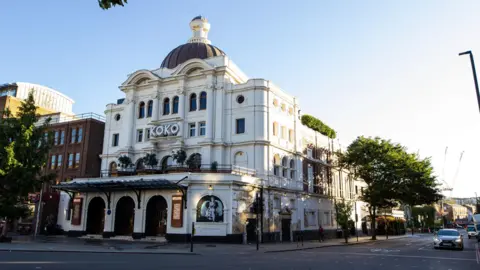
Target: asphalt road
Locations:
point(406, 253)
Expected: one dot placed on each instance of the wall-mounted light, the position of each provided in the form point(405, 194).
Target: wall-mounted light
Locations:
point(210, 187)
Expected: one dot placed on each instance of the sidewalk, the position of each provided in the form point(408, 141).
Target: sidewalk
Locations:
point(64, 244)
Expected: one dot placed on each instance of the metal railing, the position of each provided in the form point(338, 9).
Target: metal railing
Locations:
point(200, 168)
point(58, 118)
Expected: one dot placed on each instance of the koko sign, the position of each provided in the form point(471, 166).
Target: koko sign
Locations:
point(165, 130)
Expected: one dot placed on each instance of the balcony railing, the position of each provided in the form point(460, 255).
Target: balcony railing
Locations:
point(203, 168)
point(54, 119)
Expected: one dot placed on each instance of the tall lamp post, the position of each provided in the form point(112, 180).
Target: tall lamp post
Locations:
point(474, 75)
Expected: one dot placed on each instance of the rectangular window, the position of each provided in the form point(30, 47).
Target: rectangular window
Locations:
point(240, 126)
point(290, 135)
point(55, 139)
point(356, 189)
point(62, 137)
point(140, 135)
point(309, 152)
point(191, 129)
point(73, 135)
point(284, 133)
point(77, 160)
point(147, 134)
point(79, 135)
point(203, 128)
point(59, 161)
point(53, 162)
point(115, 139)
point(70, 161)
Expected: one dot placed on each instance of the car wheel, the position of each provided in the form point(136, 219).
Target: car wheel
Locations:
point(469, 237)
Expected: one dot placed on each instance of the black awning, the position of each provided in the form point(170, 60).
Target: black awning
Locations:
point(117, 185)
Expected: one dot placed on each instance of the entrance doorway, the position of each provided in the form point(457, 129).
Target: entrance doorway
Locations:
point(251, 233)
point(156, 220)
point(96, 216)
point(286, 230)
point(124, 216)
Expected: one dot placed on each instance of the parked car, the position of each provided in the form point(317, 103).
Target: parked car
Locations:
point(448, 238)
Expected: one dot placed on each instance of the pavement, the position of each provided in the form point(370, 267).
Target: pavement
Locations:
point(76, 245)
point(400, 253)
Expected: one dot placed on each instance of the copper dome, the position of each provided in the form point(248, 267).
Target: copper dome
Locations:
point(188, 51)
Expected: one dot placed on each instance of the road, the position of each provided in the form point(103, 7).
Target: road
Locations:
point(405, 253)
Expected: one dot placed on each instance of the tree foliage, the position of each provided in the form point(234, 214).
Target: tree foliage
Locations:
point(343, 211)
point(318, 126)
point(125, 162)
point(106, 4)
point(150, 160)
point(24, 149)
point(390, 173)
point(180, 156)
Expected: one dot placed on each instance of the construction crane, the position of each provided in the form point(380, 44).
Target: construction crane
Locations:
point(446, 186)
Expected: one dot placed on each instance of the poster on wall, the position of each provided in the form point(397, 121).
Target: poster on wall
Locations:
point(177, 211)
point(77, 211)
point(210, 209)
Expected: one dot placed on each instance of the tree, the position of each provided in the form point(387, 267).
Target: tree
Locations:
point(125, 162)
point(180, 156)
point(150, 160)
point(343, 210)
point(418, 185)
point(24, 148)
point(375, 161)
point(106, 4)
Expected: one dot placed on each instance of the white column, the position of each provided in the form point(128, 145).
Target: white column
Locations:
point(181, 105)
point(219, 123)
point(155, 111)
point(210, 110)
point(130, 126)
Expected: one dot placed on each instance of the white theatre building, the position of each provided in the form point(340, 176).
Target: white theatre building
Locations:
point(241, 137)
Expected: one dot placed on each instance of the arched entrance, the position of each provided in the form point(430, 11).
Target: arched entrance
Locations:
point(156, 216)
point(124, 216)
point(96, 216)
point(167, 162)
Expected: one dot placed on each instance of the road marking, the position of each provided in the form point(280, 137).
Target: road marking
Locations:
point(401, 256)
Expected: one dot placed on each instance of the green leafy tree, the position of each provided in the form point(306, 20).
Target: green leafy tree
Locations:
point(180, 156)
point(106, 4)
point(150, 160)
point(343, 211)
point(24, 148)
point(418, 185)
point(125, 162)
point(375, 161)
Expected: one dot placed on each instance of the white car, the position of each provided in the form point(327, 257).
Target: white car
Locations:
point(472, 233)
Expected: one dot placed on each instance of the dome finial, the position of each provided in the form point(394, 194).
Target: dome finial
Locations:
point(200, 28)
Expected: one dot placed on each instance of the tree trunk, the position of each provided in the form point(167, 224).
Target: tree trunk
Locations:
point(5, 228)
point(373, 217)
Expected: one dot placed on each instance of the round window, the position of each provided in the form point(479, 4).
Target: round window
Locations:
point(240, 99)
point(117, 117)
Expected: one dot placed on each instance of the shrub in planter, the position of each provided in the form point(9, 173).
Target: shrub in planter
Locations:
point(214, 166)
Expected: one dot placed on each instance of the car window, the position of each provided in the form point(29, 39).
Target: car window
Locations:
point(470, 229)
point(448, 233)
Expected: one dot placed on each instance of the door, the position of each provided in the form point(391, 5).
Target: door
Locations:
point(286, 230)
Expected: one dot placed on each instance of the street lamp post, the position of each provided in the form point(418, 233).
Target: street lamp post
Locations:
point(474, 74)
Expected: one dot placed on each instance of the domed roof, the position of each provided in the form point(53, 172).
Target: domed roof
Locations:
point(188, 51)
point(198, 46)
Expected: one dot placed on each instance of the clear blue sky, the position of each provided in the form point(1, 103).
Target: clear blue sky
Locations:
point(374, 68)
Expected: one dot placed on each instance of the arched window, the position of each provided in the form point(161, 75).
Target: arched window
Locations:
point(113, 167)
point(175, 105)
point(292, 169)
point(240, 159)
point(150, 108)
point(141, 110)
point(210, 209)
point(284, 167)
point(203, 101)
point(166, 106)
point(276, 165)
point(193, 102)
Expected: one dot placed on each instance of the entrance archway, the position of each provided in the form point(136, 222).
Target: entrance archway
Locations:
point(96, 216)
point(124, 216)
point(156, 221)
